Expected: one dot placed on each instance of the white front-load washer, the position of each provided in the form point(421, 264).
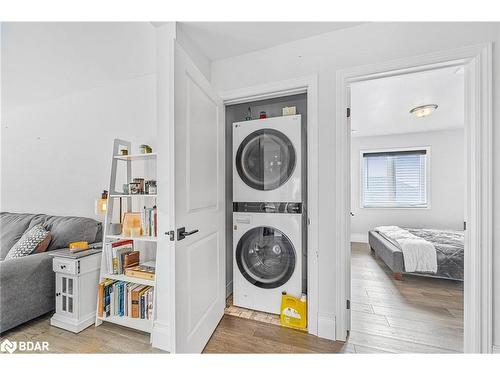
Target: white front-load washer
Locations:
point(267, 254)
point(267, 160)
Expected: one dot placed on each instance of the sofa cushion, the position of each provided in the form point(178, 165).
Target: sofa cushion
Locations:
point(67, 229)
point(12, 227)
point(29, 242)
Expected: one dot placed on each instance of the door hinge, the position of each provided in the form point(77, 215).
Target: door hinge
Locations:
point(171, 235)
point(348, 112)
point(465, 225)
point(308, 221)
point(348, 304)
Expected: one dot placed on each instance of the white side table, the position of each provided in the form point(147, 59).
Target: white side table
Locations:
point(77, 276)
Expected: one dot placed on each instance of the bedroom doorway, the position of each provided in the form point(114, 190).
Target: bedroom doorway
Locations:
point(477, 271)
point(407, 212)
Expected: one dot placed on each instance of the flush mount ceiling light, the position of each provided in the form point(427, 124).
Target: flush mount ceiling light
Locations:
point(423, 110)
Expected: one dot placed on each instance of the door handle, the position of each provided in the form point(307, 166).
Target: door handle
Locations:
point(181, 233)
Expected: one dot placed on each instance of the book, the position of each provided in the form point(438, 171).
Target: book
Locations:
point(141, 271)
point(113, 252)
point(149, 221)
point(142, 302)
point(150, 304)
point(118, 252)
point(106, 297)
point(100, 299)
point(136, 300)
point(130, 287)
point(121, 310)
point(155, 221)
point(125, 299)
point(112, 300)
point(131, 259)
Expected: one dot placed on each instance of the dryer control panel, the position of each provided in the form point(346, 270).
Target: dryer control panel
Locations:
point(268, 207)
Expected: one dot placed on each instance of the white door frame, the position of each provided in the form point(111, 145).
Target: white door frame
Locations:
point(307, 85)
point(478, 126)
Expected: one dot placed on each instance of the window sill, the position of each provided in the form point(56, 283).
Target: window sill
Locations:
point(396, 208)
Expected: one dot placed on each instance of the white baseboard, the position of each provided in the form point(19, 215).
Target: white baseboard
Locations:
point(72, 325)
point(161, 338)
point(359, 237)
point(326, 326)
point(496, 349)
point(229, 288)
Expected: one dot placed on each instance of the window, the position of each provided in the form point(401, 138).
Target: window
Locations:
point(395, 179)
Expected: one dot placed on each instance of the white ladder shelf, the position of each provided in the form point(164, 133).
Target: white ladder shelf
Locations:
point(113, 195)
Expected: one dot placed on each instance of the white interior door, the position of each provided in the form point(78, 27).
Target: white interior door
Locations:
point(199, 206)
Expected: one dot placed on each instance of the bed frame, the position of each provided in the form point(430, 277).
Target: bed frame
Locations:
point(388, 252)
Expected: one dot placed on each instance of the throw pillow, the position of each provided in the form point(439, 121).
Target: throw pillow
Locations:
point(42, 246)
point(29, 242)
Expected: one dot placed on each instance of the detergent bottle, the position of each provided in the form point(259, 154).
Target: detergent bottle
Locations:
point(293, 312)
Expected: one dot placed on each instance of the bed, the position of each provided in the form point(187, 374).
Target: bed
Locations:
point(449, 246)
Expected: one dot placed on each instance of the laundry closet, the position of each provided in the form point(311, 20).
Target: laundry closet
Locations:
point(266, 202)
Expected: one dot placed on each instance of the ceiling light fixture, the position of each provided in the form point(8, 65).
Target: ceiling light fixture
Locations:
point(423, 110)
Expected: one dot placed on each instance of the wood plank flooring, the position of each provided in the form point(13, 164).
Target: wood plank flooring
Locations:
point(240, 335)
point(416, 315)
point(107, 338)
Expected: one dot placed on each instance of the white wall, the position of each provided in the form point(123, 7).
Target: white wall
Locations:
point(69, 89)
point(324, 55)
point(447, 192)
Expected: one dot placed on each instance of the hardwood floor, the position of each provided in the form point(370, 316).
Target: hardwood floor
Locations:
point(107, 338)
point(416, 315)
point(240, 335)
point(233, 335)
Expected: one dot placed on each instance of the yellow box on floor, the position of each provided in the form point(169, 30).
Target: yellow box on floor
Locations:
point(293, 312)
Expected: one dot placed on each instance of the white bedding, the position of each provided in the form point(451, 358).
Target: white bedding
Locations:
point(419, 254)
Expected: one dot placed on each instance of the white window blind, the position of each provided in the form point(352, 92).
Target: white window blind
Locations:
point(395, 179)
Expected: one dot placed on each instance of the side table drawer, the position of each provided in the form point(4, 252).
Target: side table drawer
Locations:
point(64, 266)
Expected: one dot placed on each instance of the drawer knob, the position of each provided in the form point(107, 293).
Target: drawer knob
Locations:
point(63, 266)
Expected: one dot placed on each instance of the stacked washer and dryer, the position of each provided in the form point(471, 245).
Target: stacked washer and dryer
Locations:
point(267, 212)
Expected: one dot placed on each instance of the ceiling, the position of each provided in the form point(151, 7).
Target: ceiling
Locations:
point(382, 106)
point(220, 40)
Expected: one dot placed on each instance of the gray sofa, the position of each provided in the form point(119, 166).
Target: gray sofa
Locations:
point(27, 284)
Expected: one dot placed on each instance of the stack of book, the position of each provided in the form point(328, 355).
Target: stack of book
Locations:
point(120, 255)
point(145, 271)
point(149, 221)
point(119, 298)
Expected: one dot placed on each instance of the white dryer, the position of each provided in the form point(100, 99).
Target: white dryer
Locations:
point(267, 254)
point(267, 160)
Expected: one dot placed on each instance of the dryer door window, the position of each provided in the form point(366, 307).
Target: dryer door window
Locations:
point(265, 159)
point(265, 257)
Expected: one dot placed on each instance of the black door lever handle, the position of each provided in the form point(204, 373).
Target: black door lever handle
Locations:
point(181, 233)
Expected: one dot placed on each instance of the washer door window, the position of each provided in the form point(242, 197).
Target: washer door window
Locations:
point(265, 159)
point(265, 257)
